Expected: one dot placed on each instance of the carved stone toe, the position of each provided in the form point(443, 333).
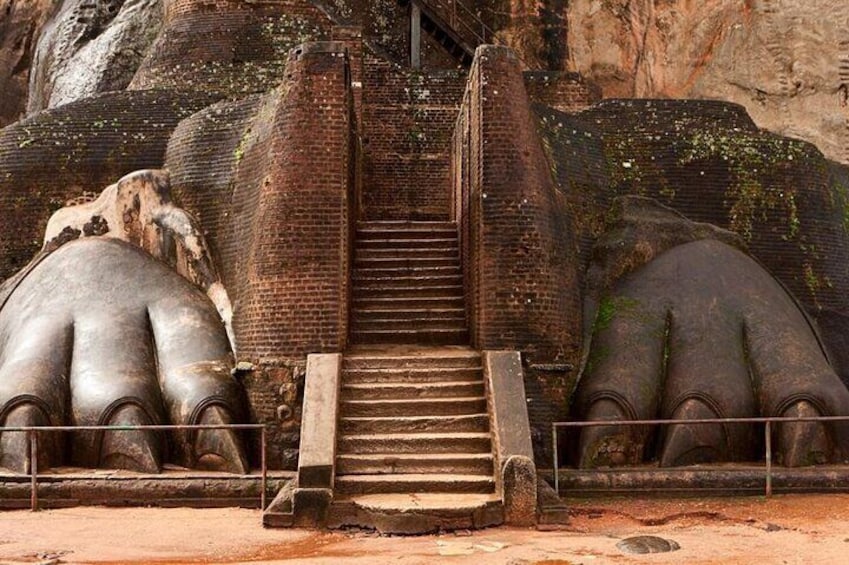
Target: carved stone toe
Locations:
point(219, 450)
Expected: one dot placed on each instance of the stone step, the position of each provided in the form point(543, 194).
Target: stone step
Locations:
point(436, 231)
point(364, 314)
point(427, 359)
point(407, 242)
point(405, 463)
point(404, 327)
point(414, 407)
point(361, 291)
point(415, 424)
point(409, 323)
point(407, 272)
point(454, 442)
point(414, 482)
point(446, 251)
point(399, 391)
point(404, 262)
point(455, 279)
point(424, 336)
point(406, 303)
point(417, 513)
point(412, 375)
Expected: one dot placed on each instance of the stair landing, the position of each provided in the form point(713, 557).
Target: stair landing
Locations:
point(417, 513)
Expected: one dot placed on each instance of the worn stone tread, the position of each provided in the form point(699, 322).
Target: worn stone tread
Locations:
point(413, 375)
point(396, 463)
point(415, 424)
point(414, 482)
point(426, 442)
point(407, 391)
point(415, 406)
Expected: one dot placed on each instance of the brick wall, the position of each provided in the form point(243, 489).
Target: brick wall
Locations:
point(710, 162)
point(231, 47)
point(520, 256)
point(79, 148)
point(408, 119)
point(519, 247)
point(270, 178)
point(563, 91)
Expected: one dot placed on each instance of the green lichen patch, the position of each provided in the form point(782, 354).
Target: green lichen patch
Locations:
point(749, 160)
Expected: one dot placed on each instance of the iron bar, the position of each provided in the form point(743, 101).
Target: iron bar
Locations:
point(767, 421)
point(33, 469)
point(768, 449)
point(264, 466)
point(133, 428)
point(32, 434)
point(756, 420)
point(556, 459)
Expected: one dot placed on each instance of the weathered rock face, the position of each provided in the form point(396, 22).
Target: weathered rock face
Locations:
point(90, 47)
point(781, 59)
point(20, 23)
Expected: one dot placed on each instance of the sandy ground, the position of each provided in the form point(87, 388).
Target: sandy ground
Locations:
point(805, 529)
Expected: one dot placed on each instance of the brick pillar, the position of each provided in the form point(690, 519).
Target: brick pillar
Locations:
point(519, 248)
point(296, 300)
point(352, 38)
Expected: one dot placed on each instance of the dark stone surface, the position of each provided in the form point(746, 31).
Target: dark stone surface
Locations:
point(647, 544)
point(69, 488)
point(147, 348)
point(700, 331)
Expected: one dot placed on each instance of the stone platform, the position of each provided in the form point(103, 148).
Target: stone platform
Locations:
point(67, 486)
point(701, 480)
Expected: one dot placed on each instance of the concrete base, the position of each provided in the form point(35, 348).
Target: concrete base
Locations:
point(413, 514)
point(68, 487)
point(715, 480)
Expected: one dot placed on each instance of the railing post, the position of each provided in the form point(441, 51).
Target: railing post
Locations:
point(768, 443)
point(33, 469)
point(415, 35)
point(264, 469)
point(556, 458)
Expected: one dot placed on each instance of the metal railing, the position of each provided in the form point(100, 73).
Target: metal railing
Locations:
point(768, 422)
point(33, 431)
point(467, 23)
point(459, 16)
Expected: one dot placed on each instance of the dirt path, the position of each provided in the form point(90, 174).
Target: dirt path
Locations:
point(808, 529)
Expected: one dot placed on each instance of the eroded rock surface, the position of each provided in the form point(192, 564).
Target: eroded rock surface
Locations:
point(699, 331)
point(784, 60)
point(91, 47)
point(20, 23)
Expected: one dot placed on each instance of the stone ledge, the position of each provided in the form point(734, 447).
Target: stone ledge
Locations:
point(121, 488)
point(715, 480)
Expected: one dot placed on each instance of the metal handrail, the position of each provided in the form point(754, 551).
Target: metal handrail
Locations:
point(455, 20)
point(768, 421)
point(32, 434)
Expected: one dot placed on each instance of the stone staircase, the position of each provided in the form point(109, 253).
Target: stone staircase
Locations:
point(414, 440)
point(455, 26)
point(407, 284)
point(397, 432)
point(414, 448)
